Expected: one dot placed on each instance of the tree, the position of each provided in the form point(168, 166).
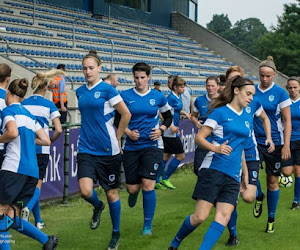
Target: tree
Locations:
point(219, 24)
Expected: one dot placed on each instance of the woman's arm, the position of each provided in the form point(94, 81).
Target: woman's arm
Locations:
point(11, 132)
point(267, 128)
point(58, 129)
point(42, 138)
point(286, 115)
point(194, 119)
point(125, 118)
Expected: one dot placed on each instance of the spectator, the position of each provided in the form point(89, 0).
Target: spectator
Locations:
point(157, 86)
point(111, 79)
point(222, 83)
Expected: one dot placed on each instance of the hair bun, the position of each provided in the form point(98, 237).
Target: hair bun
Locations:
point(23, 83)
point(94, 52)
point(270, 58)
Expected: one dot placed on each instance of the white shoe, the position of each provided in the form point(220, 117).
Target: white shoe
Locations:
point(40, 225)
point(25, 213)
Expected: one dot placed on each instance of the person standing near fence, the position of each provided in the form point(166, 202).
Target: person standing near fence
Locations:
point(99, 157)
point(44, 111)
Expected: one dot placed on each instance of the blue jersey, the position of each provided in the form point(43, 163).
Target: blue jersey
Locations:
point(97, 133)
point(228, 124)
point(254, 109)
point(2, 106)
point(144, 109)
point(20, 154)
point(295, 112)
point(201, 106)
point(44, 111)
point(273, 100)
point(176, 106)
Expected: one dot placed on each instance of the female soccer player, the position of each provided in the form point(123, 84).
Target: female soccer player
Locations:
point(142, 156)
point(99, 145)
point(293, 164)
point(276, 103)
point(44, 111)
point(19, 173)
point(199, 115)
point(172, 142)
point(219, 175)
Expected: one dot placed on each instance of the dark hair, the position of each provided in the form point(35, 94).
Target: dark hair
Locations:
point(157, 83)
point(93, 54)
point(222, 80)
point(141, 66)
point(61, 66)
point(212, 78)
point(294, 78)
point(5, 71)
point(178, 81)
point(19, 87)
point(227, 94)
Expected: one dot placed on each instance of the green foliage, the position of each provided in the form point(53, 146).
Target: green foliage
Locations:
point(219, 24)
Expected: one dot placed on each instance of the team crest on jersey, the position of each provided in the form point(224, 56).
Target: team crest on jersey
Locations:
point(248, 110)
point(152, 101)
point(97, 94)
point(111, 177)
point(254, 173)
point(155, 166)
point(247, 124)
point(271, 98)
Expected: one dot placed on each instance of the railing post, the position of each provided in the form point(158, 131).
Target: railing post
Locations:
point(112, 56)
point(66, 164)
point(199, 64)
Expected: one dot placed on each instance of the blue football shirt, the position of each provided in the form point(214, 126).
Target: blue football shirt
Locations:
point(201, 106)
point(2, 106)
point(295, 112)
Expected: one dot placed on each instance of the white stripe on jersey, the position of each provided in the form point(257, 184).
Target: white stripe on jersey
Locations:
point(27, 122)
point(38, 110)
point(259, 111)
point(208, 158)
point(109, 105)
point(12, 160)
point(54, 114)
point(280, 129)
point(285, 104)
point(5, 121)
point(164, 108)
point(112, 134)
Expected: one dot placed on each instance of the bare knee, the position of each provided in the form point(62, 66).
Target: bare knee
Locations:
point(287, 171)
point(180, 157)
point(272, 183)
point(197, 219)
point(247, 197)
point(112, 195)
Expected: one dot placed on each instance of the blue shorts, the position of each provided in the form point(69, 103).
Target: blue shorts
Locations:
point(105, 169)
point(142, 163)
point(16, 189)
point(214, 186)
point(272, 160)
point(42, 160)
point(172, 145)
point(253, 172)
point(295, 155)
point(200, 154)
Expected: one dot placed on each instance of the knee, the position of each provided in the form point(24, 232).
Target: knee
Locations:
point(197, 219)
point(287, 171)
point(180, 157)
point(248, 197)
point(272, 183)
point(112, 195)
point(86, 193)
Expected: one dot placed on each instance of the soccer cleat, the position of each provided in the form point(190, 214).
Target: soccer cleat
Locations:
point(147, 231)
point(257, 210)
point(40, 225)
point(132, 199)
point(52, 243)
point(158, 186)
point(114, 242)
point(95, 221)
point(167, 183)
point(172, 248)
point(270, 227)
point(232, 241)
point(25, 213)
point(295, 206)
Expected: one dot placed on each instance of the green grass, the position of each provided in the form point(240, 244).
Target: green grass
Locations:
point(71, 222)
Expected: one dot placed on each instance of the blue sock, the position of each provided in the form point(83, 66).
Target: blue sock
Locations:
point(94, 199)
point(258, 190)
point(272, 200)
point(297, 189)
point(232, 223)
point(34, 198)
point(30, 230)
point(115, 214)
point(149, 204)
point(161, 170)
point(185, 229)
point(171, 169)
point(36, 212)
point(212, 235)
point(4, 236)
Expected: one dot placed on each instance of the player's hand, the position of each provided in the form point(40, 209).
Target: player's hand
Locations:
point(188, 115)
point(120, 145)
point(63, 109)
point(285, 153)
point(174, 129)
point(155, 134)
point(199, 124)
point(271, 147)
point(224, 149)
point(134, 135)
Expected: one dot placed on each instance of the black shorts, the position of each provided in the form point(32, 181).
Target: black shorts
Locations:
point(142, 163)
point(42, 160)
point(272, 160)
point(1, 157)
point(105, 169)
point(173, 145)
point(253, 172)
point(16, 189)
point(214, 186)
point(295, 155)
point(200, 154)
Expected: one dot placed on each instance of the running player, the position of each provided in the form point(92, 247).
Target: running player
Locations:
point(99, 145)
point(220, 173)
point(19, 173)
point(276, 103)
point(44, 111)
point(141, 153)
point(293, 165)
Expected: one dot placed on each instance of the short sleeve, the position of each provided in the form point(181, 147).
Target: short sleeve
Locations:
point(284, 101)
point(113, 96)
point(53, 111)
point(213, 119)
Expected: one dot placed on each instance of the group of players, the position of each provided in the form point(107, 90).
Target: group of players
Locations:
point(238, 127)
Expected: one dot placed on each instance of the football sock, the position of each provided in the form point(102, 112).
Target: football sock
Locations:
point(149, 204)
point(161, 170)
point(212, 235)
point(258, 191)
point(171, 169)
point(115, 214)
point(232, 223)
point(36, 212)
point(34, 198)
point(297, 189)
point(4, 236)
point(26, 228)
point(272, 200)
point(185, 229)
point(94, 199)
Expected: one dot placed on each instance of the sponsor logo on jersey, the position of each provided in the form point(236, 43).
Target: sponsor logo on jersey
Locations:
point(271, 98)
point(247, 124)
point(152, 102)
point(230, 119)
point(97, 94)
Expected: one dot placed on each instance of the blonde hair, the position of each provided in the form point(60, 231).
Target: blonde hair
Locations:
point(268, 63)
point(234, 69)
point(42, 79)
